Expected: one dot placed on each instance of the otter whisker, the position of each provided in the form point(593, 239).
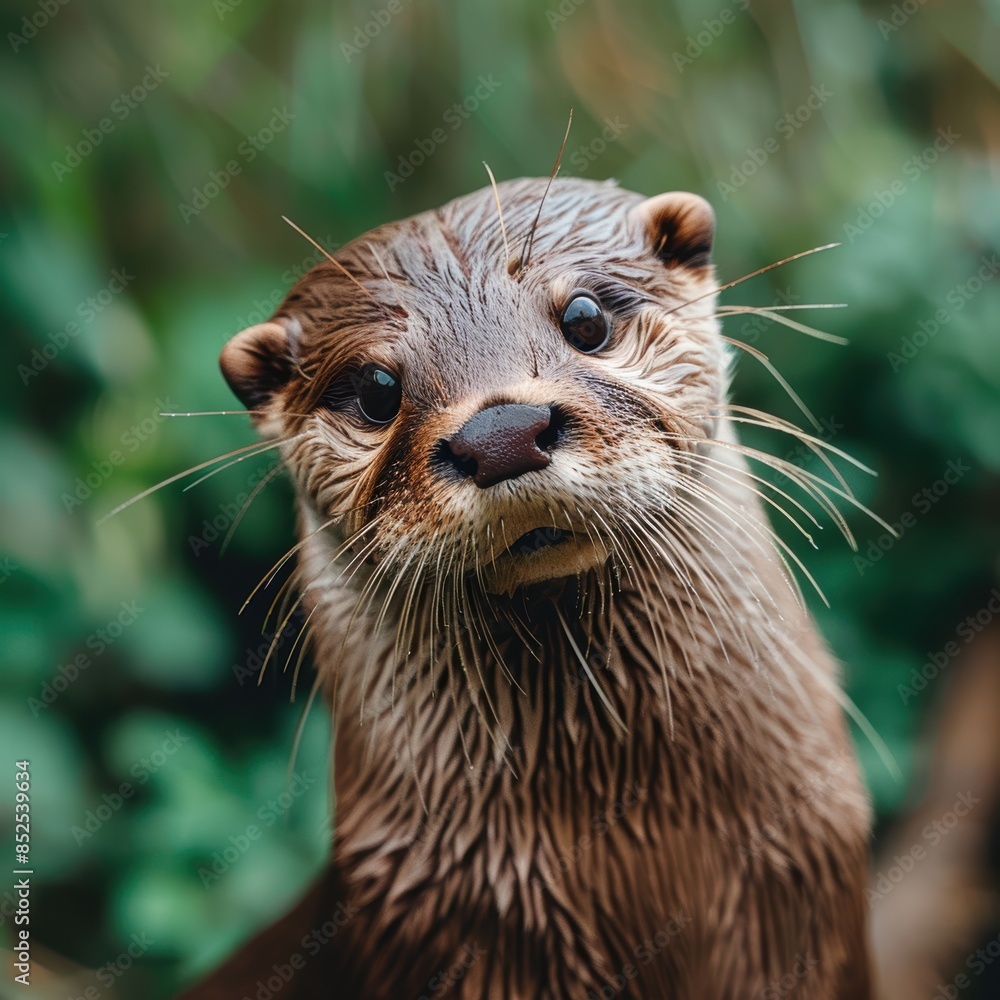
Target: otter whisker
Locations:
point(273, 645)
point(216, 413)
point(301, 727)
point(716, 590)
point(249, 451)
point(729, 309)
point(492, 645)
point(670, 546)
point(717, 503)
point(503, 227)
point(246, 506)
point(772, 314)
point(476, 567)
point(808, 481)
point(734, 475)
point(298, 663)
point(779, 378)
point(530, 238)
point(489, 539)
point(643, 552)
point(269, 575)
point(404, 638)
point(303, 591)
point(437, 610)
point(378, 260)
point(283, 594)
point(589, 672)
point(815, 445)
point(451, 666)
point(236, 461)
point(461, 636)
point(811, 483)
point(301, 637)
point(659, 640)
point(694, 488)
point(711, 536)
point(399, 575)
point(871, 733)
point(366, 598)
point(778, 423)
point(753, 274)
point(336, 263)
point(762, 531)
point(718, 468)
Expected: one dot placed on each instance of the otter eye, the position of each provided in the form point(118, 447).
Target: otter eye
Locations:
point(583, 323)
point(379, 394)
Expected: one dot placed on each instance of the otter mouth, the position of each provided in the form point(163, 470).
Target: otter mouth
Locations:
point(543, 554)
point(538, 539)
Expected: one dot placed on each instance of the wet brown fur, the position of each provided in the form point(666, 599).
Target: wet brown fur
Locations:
point(497, 799)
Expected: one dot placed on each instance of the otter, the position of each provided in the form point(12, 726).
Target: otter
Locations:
point(587, 741)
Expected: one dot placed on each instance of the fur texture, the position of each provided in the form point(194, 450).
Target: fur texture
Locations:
point(616, 766)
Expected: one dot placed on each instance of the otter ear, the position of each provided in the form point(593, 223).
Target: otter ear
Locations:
point(258, 361)
point(679, 227)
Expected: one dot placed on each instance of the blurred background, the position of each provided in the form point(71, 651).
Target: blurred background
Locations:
point(149, 152)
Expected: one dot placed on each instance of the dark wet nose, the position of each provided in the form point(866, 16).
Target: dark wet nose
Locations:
point(502, 442)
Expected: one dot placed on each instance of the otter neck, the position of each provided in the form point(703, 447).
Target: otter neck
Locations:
point(573, 686)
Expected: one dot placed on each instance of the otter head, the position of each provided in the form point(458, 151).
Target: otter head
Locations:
point(464, 410)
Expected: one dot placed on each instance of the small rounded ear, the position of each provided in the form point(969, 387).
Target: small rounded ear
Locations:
point(679, 226)
point(257, 362)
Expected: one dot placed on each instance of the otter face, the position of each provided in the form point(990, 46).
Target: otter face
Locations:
point(457, 413)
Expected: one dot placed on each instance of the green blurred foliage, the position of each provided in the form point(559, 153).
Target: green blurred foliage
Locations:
point(666, 95)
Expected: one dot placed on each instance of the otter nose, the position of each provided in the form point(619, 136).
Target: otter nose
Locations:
point(501, 442)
